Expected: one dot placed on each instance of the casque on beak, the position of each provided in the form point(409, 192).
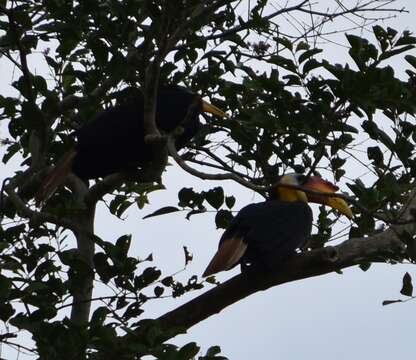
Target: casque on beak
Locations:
point(316, 183)
point(212, 109)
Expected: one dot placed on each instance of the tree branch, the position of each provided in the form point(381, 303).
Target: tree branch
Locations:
point(38, 217)
point(248, 24)
point(384, 245)
point(310, 264)
point(205, 176)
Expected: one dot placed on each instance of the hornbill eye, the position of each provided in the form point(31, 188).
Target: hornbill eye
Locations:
point(302, 179)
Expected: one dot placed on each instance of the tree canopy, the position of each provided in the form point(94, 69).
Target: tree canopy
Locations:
point(291, 108)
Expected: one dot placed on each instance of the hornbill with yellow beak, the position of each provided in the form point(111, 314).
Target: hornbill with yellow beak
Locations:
point(114, 141)
point(267, 233)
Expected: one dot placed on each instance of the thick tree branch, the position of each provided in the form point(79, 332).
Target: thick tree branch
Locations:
point(313, 263)
point(381, 246)
point(82, 294)
point(303, 266)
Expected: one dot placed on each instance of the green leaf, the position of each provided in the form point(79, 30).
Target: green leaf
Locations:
point(213, 350)
point(32, 116)
point(406, 39)
point(292, 79)
point(374, 153)
point(381, 36)
point(230, 201)
point(308, 54)
point(158, 290)
point(365, 266)
point(188, 197)
point(167, 281)
point(391, 53)
point(6, 311)
point(188, 351)
point(283, 62)
point(302, 45)
point(411, 60)
point(100, 50)
point(11, 150)
point(376, 133)
point(223, 219)
point(388, 302)
point(123, 245)
point(188, 255)
point(134, 310)
point(149, 275)
point(407, 288)
point(215, 197)
point(103, 268)
point(310, 65)
point(122, 208)
point(99, 316)
point(287, 43)
point(5, 287)
point(162, 211)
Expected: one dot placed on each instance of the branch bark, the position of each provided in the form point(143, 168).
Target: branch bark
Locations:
point(382, 246)
point(38, 217)
point(310, 264)
point(82, 294)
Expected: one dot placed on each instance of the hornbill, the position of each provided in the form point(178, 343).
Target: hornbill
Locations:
point(267, 233)
point(114, 140)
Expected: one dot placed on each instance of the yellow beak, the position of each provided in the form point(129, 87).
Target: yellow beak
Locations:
point(318, 184)
point(340, 205)
point(212, 109)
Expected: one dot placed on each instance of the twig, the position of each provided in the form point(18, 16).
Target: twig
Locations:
point(205, 176)
point(38, 217)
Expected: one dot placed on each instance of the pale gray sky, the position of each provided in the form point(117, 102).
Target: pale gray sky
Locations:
point(332, 316)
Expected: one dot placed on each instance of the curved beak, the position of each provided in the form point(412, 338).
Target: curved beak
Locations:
point(316, 183)
point(212, 109)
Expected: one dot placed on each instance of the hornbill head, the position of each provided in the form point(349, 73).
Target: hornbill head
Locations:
point(321, 192)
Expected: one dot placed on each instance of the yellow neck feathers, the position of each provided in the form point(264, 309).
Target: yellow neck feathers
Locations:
point(288, 194)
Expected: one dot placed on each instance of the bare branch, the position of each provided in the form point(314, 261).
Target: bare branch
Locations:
point(38, 217)
point(313, 263)
point(384, 245)
point(205, 176)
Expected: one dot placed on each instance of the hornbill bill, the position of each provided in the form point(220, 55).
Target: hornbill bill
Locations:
point(267, 233)
point(114, 141)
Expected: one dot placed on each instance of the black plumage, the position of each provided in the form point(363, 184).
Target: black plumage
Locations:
point(262, 235)
point(114, 140)
point(272, 230)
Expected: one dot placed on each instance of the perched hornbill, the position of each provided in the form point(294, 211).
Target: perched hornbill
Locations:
point(267, 233)
point(114, 141)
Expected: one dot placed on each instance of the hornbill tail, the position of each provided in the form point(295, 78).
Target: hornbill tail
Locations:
point(55, 178)
point(227, 256)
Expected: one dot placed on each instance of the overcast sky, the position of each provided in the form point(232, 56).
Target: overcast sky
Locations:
point(332, 316)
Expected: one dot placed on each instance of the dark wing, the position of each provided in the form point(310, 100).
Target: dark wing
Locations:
point(263, 233)
point(111, 142)
point(277, 230)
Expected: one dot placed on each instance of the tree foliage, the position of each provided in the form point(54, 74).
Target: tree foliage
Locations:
point(291, 109)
